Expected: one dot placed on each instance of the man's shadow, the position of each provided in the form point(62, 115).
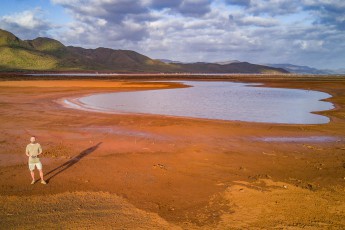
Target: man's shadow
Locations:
point(71, 162)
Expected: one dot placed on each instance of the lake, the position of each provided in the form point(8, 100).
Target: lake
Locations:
point(219, 100)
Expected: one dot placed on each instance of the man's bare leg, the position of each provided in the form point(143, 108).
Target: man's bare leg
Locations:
point(41, 175)
point(33, 176)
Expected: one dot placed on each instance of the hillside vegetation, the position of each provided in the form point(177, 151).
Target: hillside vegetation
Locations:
point(46, 54)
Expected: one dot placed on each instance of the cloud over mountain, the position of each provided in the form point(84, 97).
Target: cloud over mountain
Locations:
point(308, 32)
point(28, 23)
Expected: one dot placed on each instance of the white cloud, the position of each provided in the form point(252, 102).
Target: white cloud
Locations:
point(249, 20)
point(270, 7)
point(29, 23)
point(24, 19)
point(309, 45)
point(197, 30)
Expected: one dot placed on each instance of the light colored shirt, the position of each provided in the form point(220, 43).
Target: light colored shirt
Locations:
point(33, 150)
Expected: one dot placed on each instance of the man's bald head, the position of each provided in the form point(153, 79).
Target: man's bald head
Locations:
point(32, 139)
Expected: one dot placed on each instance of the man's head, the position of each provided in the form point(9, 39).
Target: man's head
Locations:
point(32, 139)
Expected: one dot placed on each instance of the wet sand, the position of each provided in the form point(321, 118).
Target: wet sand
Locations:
point(158, 172)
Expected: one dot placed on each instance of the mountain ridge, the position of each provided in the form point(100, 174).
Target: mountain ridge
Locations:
point(47, 54)
point(303, 69)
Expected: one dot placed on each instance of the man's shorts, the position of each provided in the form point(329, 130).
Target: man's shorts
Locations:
point(38, 166)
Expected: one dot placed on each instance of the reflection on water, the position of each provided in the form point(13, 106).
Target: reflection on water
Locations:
point(299, 139)
point(220, 100)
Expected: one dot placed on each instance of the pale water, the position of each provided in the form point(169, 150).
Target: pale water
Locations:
point(221, 101)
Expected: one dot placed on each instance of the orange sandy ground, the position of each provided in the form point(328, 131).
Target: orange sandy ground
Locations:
point(155, 172)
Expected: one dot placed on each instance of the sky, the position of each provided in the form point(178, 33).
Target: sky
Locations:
point(301, 32)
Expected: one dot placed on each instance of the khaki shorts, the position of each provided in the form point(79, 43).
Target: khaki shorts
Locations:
point(38, 166)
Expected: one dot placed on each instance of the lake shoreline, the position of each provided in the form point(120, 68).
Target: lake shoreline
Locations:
point(171, 172)
point(291, 106)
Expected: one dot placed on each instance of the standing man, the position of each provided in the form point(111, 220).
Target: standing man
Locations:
point(33, 150)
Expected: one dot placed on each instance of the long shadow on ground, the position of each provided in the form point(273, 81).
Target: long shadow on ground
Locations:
point(71, 162)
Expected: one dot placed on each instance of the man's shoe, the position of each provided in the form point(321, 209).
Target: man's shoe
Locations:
point(33, 182)
point(43, 182)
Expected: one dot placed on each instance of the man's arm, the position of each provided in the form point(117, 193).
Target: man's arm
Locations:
point(27, 151)
point(39, 149)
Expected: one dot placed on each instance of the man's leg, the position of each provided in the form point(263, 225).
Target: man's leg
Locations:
point(31, 168)
point(39, 167)
point(41, 174)
point(32, 175)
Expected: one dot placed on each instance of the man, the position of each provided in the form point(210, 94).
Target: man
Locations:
point(33, 150)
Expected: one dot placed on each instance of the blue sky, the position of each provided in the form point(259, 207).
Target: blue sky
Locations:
point(304, 32)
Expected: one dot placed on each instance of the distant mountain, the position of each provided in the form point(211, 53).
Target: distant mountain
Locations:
point(239, 67)
point(46, 54)
point(301, 69)
point(336, 71)
point(227, 62)
point(232, 66)
point(167, 61)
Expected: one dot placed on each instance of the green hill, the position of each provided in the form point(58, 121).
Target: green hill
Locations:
point(9, 39)
point(23, 59)
point(46, 54)
point(16, 54)
point(46, 44)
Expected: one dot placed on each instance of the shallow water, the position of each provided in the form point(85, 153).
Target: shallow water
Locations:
point(219, 100)
point(300, 139)
point(122, 74)
point(73, 74)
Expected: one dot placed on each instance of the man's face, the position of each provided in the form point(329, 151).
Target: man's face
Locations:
point(32, 139)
